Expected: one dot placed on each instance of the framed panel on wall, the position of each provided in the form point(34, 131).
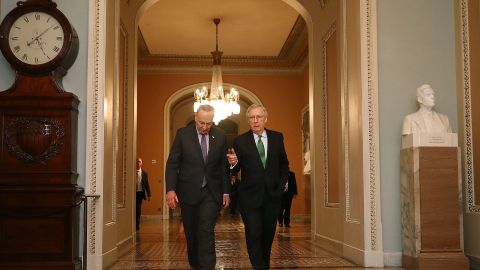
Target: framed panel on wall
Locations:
point(121, 118)
point(332, 120)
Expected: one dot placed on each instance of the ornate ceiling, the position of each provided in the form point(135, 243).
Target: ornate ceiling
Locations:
point(255, 36)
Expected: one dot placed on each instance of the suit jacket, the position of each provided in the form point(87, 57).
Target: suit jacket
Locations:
point(257, 180)
point(185, 168)
point(414, 123)
point(145, 185)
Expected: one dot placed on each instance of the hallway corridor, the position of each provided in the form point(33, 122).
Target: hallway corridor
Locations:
point(161, 245)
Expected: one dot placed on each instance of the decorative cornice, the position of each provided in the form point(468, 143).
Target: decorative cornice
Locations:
point(298, 37)
point(225, 70)
point(293, 56)
point(204, 60)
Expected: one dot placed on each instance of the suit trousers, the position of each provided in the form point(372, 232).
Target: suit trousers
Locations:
point(260, 224)
point(284, 216)
point(138, 209)
point(199, 227)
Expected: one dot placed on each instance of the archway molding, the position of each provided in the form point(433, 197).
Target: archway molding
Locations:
point(246, 96)
point(369, 250)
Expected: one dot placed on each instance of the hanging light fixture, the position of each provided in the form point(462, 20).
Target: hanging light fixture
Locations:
point(225, 104)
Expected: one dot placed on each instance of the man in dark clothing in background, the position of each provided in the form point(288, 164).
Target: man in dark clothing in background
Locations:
point(235, 181)
point(287, 197)
point(143, 191)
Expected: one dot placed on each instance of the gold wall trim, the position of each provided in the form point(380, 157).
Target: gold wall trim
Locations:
point(467, 105)
point(123, 89)
point(369, 10)
point(346, 120)
point(94, 109)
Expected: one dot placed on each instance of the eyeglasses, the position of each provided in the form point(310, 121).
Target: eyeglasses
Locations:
point(207, 124)
point(256, 117)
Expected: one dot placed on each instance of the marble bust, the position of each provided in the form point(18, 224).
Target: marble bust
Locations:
point(426, 120)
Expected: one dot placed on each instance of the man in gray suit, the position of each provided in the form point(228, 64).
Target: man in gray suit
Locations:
point(197, 179)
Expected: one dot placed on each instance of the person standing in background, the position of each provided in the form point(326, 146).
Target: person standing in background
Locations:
point(235, 181)
point(143, 191)
point(287, 197)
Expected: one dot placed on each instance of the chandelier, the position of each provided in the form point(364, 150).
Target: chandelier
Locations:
point(225, 104)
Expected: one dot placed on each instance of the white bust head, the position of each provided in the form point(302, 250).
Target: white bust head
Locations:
point(426, 120)
point(426, 97)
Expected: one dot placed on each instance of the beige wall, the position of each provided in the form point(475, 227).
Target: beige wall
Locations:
point(118, 221)
point(329, 236)
point(109, 226)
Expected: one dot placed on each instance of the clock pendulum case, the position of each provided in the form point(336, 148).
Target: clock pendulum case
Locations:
point(39, 195)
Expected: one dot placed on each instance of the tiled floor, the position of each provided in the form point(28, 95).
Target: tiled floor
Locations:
point(161, 245)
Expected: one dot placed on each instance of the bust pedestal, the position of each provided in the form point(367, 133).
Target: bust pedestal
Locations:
point(431, 202)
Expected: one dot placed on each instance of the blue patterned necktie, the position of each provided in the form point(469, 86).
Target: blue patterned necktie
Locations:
point(261, 150)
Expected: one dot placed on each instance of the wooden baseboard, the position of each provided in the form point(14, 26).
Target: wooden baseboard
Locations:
point(437, 261)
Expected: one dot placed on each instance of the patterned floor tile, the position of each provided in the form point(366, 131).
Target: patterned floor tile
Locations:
point(161, 245)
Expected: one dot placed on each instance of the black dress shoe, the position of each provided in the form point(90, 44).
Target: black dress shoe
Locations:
point(287, 225)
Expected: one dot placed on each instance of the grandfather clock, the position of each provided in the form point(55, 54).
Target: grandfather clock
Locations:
point(39, 195)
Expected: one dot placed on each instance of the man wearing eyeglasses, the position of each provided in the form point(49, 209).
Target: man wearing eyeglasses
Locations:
point(260, 156)
point(197, 180)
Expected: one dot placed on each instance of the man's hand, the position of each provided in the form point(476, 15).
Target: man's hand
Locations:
point(232, 157)
point(172, 199)
point(226, 200)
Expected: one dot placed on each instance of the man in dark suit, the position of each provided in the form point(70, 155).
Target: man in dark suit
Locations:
point(196, 176)
point(287, 197)
point(235, 181)
point(143, 190)
point(261, 157)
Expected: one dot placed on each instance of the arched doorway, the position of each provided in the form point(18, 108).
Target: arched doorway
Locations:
point(178, 112)
point(359, 213)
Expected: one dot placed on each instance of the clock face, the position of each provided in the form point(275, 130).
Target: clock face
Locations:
point(36, 38)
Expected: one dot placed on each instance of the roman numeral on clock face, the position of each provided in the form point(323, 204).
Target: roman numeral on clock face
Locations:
point(36, 38)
